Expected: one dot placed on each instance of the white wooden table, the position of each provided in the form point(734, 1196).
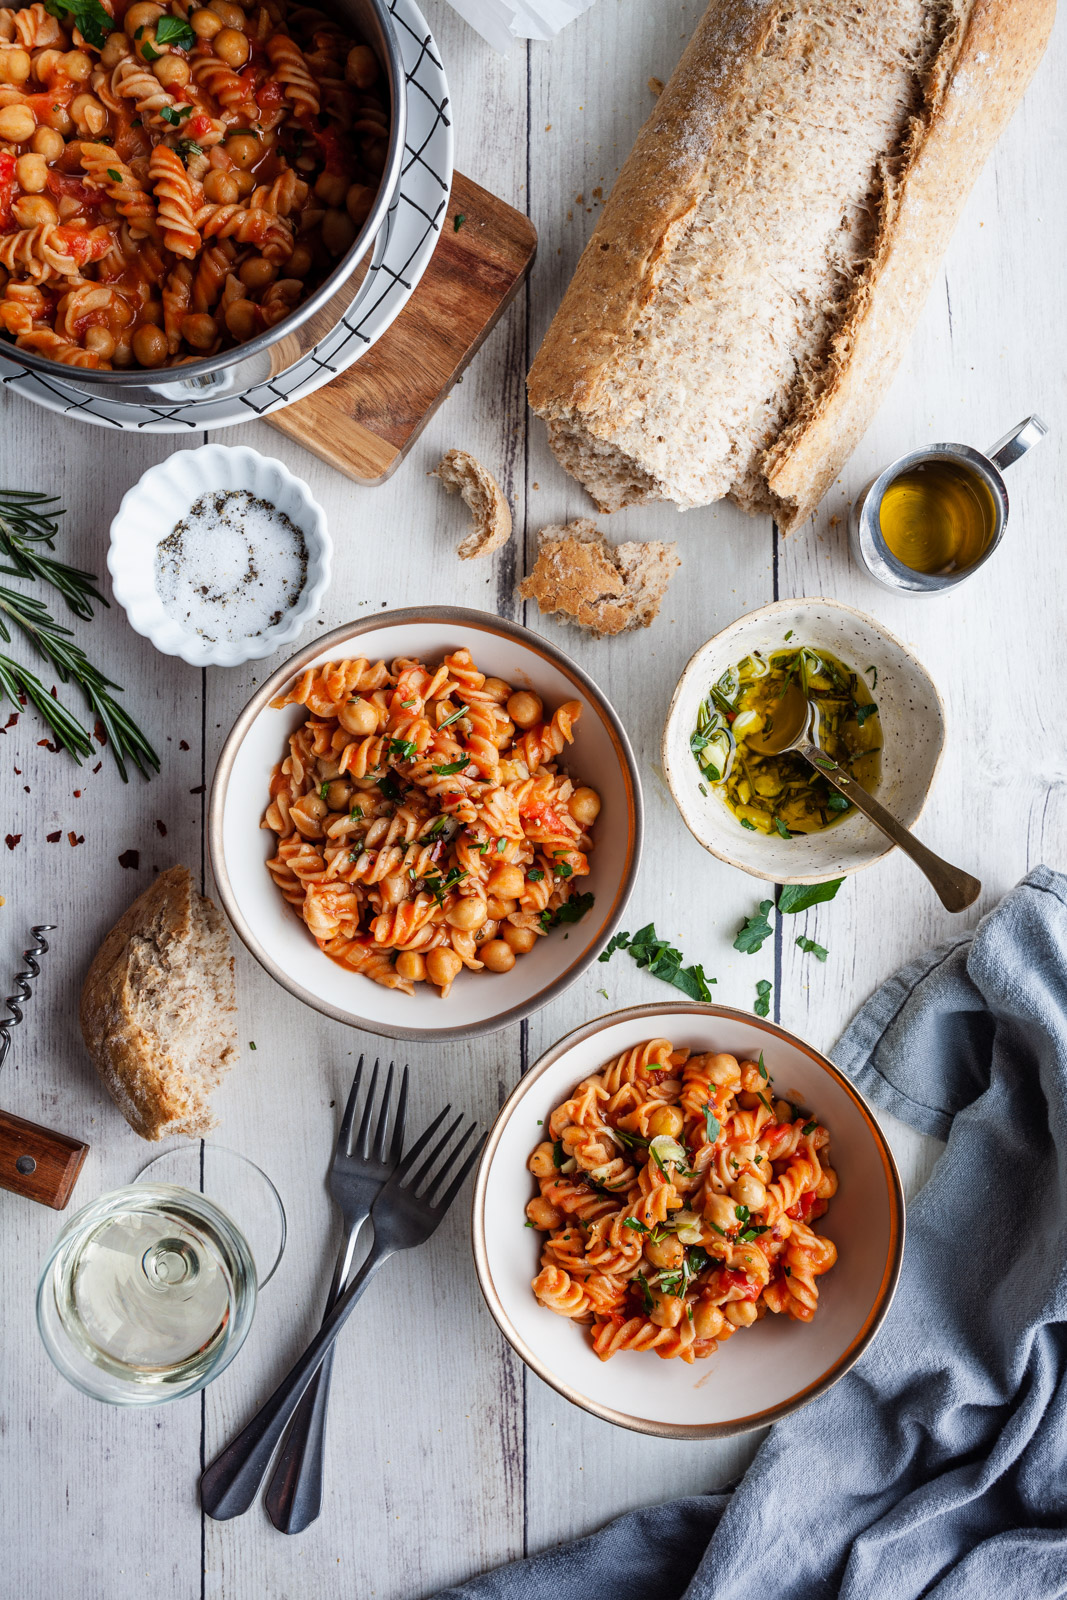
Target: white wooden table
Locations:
point(445, 1456)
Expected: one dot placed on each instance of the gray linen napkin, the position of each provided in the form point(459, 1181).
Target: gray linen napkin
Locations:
point(938, 1465)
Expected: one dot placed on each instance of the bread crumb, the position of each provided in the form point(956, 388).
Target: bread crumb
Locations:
point(462, 474)
point(597, 585)
point(656, 86)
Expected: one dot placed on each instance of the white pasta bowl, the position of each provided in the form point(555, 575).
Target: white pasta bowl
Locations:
point(763, 1372)
point(161, 498)
point(913, 731)
point(479, 1002)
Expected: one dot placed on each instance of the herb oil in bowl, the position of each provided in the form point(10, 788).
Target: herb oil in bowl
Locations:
point(938, 517)
point(781, 793)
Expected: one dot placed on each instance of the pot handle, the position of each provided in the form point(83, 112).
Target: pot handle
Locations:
point(1022, 438)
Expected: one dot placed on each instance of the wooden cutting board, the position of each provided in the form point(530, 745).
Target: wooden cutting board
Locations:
point(365, 421)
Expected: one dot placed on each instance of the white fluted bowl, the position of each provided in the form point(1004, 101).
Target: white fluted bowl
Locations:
point(161, 498)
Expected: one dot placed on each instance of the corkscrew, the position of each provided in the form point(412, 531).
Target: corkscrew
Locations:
point(34, 1161)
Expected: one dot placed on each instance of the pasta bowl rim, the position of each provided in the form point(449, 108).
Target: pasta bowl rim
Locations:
point(669, 1430)
point(460, 617)
point(882, 847)
point(236, 465)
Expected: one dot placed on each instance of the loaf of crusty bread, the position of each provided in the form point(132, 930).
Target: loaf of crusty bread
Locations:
point(748, 292)
point(158, 1013)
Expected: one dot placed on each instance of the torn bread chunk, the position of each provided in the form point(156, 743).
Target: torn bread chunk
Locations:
point(482, 495)
point(606, 587)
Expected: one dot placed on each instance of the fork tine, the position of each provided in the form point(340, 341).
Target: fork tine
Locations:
point(457, 1182)
point(420, 1144)
point(383, 1116)
point(345, 1132)
point(424, 1170)
point(450, 1161)
point(397, 1149)
point(363, 1136)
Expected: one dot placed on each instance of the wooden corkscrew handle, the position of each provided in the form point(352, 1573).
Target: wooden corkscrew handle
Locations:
point(38, 1163)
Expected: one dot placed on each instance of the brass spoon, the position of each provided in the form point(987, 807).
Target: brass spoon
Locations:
point(796, 727)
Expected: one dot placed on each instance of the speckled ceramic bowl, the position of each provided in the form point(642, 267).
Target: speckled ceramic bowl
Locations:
point(913, 728)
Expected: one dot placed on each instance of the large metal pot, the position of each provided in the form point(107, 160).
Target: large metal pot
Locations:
point(277, 348)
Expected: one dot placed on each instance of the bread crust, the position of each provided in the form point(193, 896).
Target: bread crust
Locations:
point(462, 474)
point(979, 72)
point(580, 576)
point(137, 973)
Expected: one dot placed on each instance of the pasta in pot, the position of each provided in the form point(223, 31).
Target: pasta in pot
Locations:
point(199, 169)
point(678, 1192)
point(424, 823)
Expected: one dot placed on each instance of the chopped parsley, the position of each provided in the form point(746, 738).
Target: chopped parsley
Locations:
point(751, 826)
point(452, 767)
point(763, 1003)
point(863, 712)
point(174, 114)
point(148, 53)
point(762, 1068)
point(799, 896)
point(324, 789)
point(781, 827)
point(175, 30)
point(390, 788)
point(116, 177)
point(712, 1124)
point(662, 960)
point(755, 931)
point(461, 217)
point(558, 1158)
point(447, 723)
point(88, 16)
point(572, 910)
point(535, 875)
point(403, 749)
point(563, 869)
point(837, 802)
point(810, 948)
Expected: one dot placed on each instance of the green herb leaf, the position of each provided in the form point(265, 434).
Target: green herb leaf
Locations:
point(452, 768)
point(712, 1125)
point(751, 826)
point(88, 16)
point(390, 788)
point(403, 749)
point(447, 723)
point(810, 948)
point(781, 828)
point(558, 1157)
point(536, 875)
point(563, 869)
point(874, 677)
point(751, 1233)
point(175, 30)
point(809, 1128)
point(762, 1068)
point(863, 712)
point(572, 910)
point(618, 941)
point(788, 636)
point(461, 217)
point(837, 802)
point(634, 1226)
point(175, 115)
point(742, 1213)
point(116, 177)
point(755, 931)
point(763, 1004)
point(646, 1293)
point(148, 53)
point(796, 897)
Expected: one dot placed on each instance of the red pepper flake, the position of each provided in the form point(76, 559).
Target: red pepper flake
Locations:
point(99, 733)
point(77, 794)
point(181, 742)
point(12, 839)
point(99, 764)
point(48, 745)
point(54, 692)
point(199, 789)
point(75, 838)
point(162, 826)
point(130, 858)
point(54, 838)
point(18, 772)
point(11, 721)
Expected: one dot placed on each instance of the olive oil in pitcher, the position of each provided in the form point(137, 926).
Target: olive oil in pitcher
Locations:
point(937, 517)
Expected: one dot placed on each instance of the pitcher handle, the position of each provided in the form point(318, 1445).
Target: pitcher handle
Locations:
point(1022, 438)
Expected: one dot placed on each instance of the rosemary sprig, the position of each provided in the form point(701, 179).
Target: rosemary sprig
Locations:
point(52, 641)
point(28, 519)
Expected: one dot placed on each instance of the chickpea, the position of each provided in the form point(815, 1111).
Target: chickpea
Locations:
point(497, 955)
point(487, 931)
point(172, 72)
point(34, 210)
point(299, 263)
point(338, 232)
point(220, 187)
point(507, 882)
point(783, 1111)
point(411, 966)
point(256, 273)
point(144, 14)
point(243, 149)
point(442, 967)
point(669, 1252)
point(199, 330)
point(358, 716)
point(361, 67)
point(115, 50)
point(101, 341)
point(76, 66)
point(245, 182)
point(46, 65)
point(331, 188)
point(48, 143)
point(584, 806)
point(543, 1214)
point(501, 908)
point(15, 66)
point(666, 1119)
point(467, 914)
point(232, 46)
point(152, 311)
point(707, 1320)
point(59, 118)
point(543, 1162)
point(521, 940)
point(240, 317)
point(205, 24)
point(231, 14)
point(374, 153)
point(721, 1211)
point(525, 709)
point(32, 173)
point(17, 124)
point(359, 202)
point(310, 809)
point(742, 1313)
point(87, 114)
point(338, 794)
point(722, 1069)
point(667, 1309)
point(749, 1191)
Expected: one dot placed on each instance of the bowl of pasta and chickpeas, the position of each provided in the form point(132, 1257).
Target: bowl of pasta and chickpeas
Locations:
point(427, 824)
point(183, 185)
point(687, 1221)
